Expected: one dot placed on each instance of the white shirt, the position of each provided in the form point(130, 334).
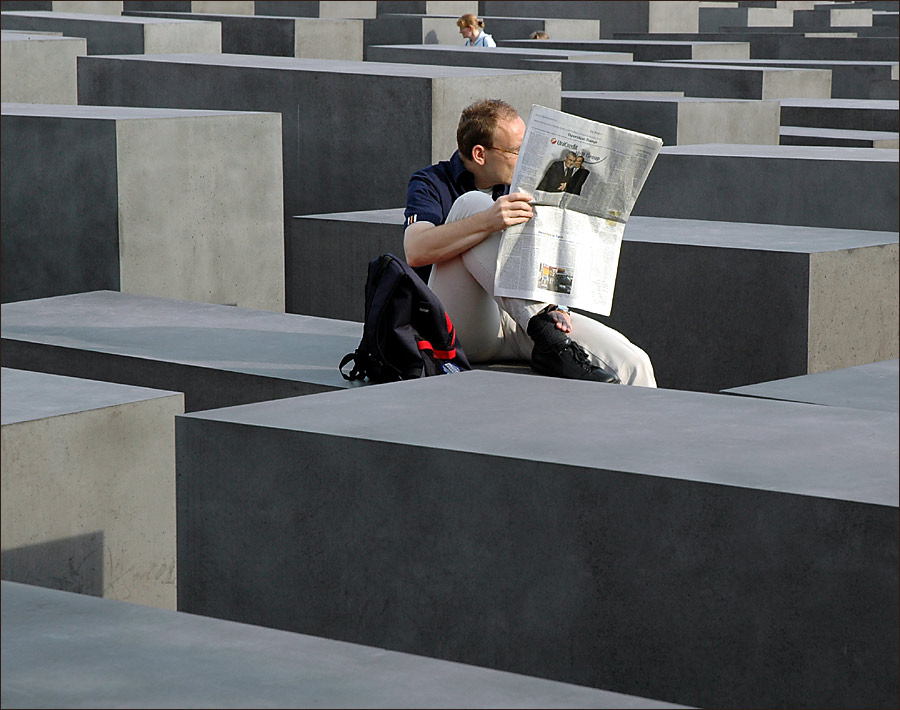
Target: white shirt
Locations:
point(483, 40)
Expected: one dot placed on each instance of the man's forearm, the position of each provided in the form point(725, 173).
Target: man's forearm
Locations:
point(425, 243)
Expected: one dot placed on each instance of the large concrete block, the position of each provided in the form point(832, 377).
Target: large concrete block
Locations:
point(710, 80)
point(715, 304)
point(349, 241)
point(58, 647)
point(358, 9)
point(183, 204)
point(615, 17)
point(643, 50)
point(231, 7)
point(107, 7)
point(336, 157)
point(112, 34)
point(217, 355)
point(39, 69)
point(713, 19)
point(812, 186)
point(89, 487)
point(748, 556)
point(801, 135)
point(823, 18)
point(427, 7)
point(852, 114)
point(849, 79)
point(873, 387)
point(767, 44)
point(680, 120)
point(495, 57)
point(313, 38)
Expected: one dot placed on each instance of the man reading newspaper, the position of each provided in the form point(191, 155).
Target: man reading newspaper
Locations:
point(456, 215)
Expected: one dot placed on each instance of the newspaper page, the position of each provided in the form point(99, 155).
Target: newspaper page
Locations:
point(585, 177)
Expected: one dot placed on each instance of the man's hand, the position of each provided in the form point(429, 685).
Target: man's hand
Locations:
point(562, 186)
point(563, 320)
point(511, 209)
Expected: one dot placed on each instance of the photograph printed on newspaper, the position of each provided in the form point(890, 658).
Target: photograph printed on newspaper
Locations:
point(585, 177)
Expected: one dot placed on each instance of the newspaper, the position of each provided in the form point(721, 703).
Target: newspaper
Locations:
point(585, 177)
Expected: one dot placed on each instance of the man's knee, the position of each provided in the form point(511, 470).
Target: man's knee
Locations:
point(467, 204)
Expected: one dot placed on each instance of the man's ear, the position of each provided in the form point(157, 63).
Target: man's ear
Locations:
point(478, 154)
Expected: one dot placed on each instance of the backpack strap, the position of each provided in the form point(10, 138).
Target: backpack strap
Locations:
point(358, 371)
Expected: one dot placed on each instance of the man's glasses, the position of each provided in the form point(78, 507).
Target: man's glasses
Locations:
point(504, 150)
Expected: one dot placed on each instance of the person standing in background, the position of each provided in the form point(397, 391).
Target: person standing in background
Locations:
point(472, 28)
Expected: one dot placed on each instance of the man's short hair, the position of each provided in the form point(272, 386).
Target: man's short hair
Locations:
point(478, 123)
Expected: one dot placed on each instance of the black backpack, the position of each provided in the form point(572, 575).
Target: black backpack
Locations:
point(407, 334)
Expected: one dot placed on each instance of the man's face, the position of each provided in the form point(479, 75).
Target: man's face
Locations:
point(500, 159)
point(570, 160)
point(579, 161)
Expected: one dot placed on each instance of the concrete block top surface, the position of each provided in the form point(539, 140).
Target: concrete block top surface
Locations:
point(672, 97)
point(110, 113)
point(873, 386)
point(35, 395)
point(277, 345)
point(879, 104)
point(88, 17)
point(63, 649)
point(758, 444)
point(695, 232)
point(8, 36)
point(786, 152)
point(335, 66)
point(530, 53)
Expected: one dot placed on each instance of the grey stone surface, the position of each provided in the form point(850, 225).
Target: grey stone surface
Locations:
point(234, 7)
point(711, 80)
point(854, 114)
point(495, 57)
point(873, 387)
point(680, 120)
point(643, 50)
point(109, 7)
point(839, 137)
point(88, 475)
point(812, 186)
point(849, 79)
point(639, 16)
point(714, 304)
point(39, 69)
point(358, 168)
point(713, 19)
point(114, 34)
point(355, 9)
point(686, 551)
point(69, 650)
point(428, 7)
point(313, 38)
point(216, 355)
point(163, 202)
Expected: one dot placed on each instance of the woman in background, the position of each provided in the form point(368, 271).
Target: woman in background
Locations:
point(472, 28)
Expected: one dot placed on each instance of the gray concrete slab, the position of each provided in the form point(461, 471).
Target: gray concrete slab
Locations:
point(852, 114)
point(710, 80)
point(811, 186)
point(680, 120)
point(495, 57)
point(713, 19)
point(873, 387)
point(216, 355)
point(69, 650)
point(643, 50)
point(110, 7)
point(280, 36)
point(405, 28)
point(849, 79)
point(89, 487)
point(352, 9)
point(773, 45)
point(163, 202)
point(428, 7)
point(234, 7)
point(711, 302)
point(115, 34)
point(36, 68)
point(802, 135)
point(310, 94)
point(644, 17)
point(506, 535)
